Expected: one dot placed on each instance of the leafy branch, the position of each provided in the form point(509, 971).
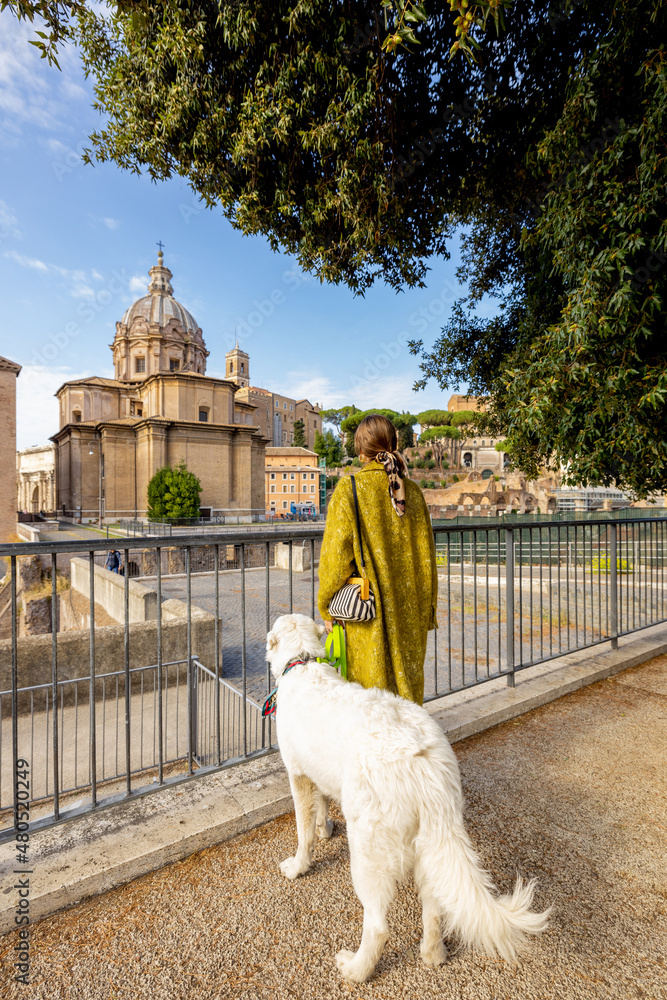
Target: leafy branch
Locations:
point(408, 15)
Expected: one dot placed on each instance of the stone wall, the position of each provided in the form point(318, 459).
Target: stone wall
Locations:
point(478, 496)
point(34, 652)
point(110, 592)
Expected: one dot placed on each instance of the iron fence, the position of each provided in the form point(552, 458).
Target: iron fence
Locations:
point(510, 596)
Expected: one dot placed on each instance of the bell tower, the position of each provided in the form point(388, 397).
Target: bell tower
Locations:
point(237, 365)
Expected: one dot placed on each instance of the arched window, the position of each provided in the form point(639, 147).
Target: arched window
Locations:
point(467, 460)
point(203, 415)
point(76, 416)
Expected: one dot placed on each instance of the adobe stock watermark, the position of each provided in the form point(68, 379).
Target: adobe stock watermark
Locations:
point(86, 312)
point(69, 161)
point(374, 368)
point(264, 308)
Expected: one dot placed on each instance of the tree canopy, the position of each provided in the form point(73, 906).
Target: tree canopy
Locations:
point(328, 446)
point(364, 156)
point(403, 422)
point(173, 493)
point(574, 367)
point(299, 434)
point(434, 418)
point(441, 438)
point(296, 121)
point(464, 418)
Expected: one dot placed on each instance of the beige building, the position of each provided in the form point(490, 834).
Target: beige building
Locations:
point(159, 409)
point(36, 474)
point(292, 476)
point(9, 371)
point(458, 403)
point(275, 414)
point(478, 453)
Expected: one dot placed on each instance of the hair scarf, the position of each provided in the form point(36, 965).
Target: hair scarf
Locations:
point(395, 473)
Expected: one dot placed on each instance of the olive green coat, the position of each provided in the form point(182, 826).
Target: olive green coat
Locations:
point(389, 651)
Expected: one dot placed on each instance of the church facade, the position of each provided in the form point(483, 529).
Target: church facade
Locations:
point(159, 409)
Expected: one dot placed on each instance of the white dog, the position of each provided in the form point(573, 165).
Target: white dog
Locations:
point(396, 778)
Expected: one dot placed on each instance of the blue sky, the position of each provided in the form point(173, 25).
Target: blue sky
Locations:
point(76, 243)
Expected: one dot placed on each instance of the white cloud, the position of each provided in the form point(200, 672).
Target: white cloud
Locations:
point(99, 220)
point(36, 405)
point(57, 147)
point(392, 392)
point(78, 279)
point(9, 224)
point(313, 386)
point(72, 91)
point(32, 262)
point(83, 292)
point(137, 284)
point(31, 92)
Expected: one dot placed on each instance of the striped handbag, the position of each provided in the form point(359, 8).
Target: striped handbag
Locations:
point(355, 602)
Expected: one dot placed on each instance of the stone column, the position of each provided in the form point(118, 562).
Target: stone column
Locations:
point(9, 371)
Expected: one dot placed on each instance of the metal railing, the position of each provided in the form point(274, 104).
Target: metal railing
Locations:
point(208, 526)
point(155, 745)
point(510, 596)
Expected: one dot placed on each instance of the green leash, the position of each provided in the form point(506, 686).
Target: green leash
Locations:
point(335, 649)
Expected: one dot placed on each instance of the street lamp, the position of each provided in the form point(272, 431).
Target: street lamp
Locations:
point(98, 442)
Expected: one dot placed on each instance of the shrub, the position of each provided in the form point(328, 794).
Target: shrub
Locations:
point(602, 564)
point(427, 484)
point(431, 464)
point(420, 463)
point(455, 478)
point(173, 493)
point(428, 454)
point(443, 482)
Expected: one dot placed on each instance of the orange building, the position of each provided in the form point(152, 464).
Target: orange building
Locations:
point(292, 477)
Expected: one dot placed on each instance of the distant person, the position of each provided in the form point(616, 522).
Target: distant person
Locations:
point(113, 561)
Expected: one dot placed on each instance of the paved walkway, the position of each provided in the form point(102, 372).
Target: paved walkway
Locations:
point(572, 793)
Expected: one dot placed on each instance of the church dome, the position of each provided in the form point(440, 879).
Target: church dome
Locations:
point(157, 333)
point(160, 306)
point(160, 309)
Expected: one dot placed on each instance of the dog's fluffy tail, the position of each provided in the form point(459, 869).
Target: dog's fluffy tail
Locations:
point(447, 867)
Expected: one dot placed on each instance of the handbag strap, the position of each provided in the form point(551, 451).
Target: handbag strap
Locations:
point(356, 514)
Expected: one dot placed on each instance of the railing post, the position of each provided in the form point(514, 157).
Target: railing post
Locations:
point(192, 702)
point(613, 595)
point(509, 603)
point(15, 695)
point(193, 672)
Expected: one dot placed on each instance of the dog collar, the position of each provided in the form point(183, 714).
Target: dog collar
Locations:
point(271, 704)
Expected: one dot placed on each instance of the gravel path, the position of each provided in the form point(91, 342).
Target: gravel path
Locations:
point(572, 793)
